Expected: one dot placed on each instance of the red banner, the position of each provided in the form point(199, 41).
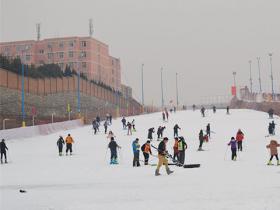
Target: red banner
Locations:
point(233, 90)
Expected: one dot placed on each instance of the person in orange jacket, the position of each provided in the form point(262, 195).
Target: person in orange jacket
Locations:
point(69, 141)
point(273, 151)
point(239, 138)
point(146, 149)
point(175, 149)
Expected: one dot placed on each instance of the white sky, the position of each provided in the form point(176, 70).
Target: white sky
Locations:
point(202, 40)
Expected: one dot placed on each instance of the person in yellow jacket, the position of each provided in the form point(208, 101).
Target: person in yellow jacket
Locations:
point(69, 141)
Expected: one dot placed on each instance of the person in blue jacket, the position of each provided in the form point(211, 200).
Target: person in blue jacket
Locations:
point(136, 152)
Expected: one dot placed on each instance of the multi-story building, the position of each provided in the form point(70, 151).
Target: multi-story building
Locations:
point(83, 54)
point(126, 91)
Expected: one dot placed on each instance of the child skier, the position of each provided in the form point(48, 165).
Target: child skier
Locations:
point(233, 146)
point(69, 141)
point(113, 146)
point(136, 152)
point(3, 149)
point(60, 142)
point(146, 149)
point(239, 139)
point(162, 160)
point(273, 151)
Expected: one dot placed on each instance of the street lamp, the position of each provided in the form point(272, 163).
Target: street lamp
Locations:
point(142, 78)
point(251, 80)
point(22, 95)
point(271, 75)
point(162, 100)
point(234, 80)
point(177, 97)
point(260, 82)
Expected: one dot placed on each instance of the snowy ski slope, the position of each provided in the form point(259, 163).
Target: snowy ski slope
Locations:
point(86, 181)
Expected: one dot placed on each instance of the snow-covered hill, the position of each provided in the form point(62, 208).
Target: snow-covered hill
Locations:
point(86, 181)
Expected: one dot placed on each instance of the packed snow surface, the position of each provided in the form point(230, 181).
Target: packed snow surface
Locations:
point(86, 180)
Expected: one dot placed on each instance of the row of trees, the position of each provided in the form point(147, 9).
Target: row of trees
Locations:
point(45, 70)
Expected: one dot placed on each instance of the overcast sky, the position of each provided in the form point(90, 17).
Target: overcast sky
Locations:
point(203, 40)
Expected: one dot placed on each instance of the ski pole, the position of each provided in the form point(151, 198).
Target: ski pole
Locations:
point(225, 153)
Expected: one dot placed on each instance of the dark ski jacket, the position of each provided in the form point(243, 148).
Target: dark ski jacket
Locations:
point(124, 121)
point(201, 136)
point(150, 133)
point(60, 142)
point(3, 147)
point(162, 148)
point(113, 146)
point(176, 127)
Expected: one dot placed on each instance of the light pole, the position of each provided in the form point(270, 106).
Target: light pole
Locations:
point(142, 77)
point(22, 95)
point(271, 75)
point(78, 94)
point(260, 82)
point(177, 97)
point(251, 80)
point(162, 100)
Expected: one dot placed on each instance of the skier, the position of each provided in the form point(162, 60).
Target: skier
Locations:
point(129, 127)
point(113, 146)
point(69, 141)
point(176, 128)
point(60, 142)
point(214, 109)
point(175, 109)
point(193, 107)
point(105, 126)
point(158, 133)
point(161, 131)
point(110, 119)
point(3, 149)
point(208, 130)
point(182, 146)
point(273, 127)
point(150, 133)
point(201, 139)
point(136, 152)
point(163, 116)
point(146, 149)
point(175, 149)
point(202, 110)
point(270, 129)
point(227, 109)
point(133, 125)
point(94, 126)
point(270, 113)
point(239, 138)
point(107, 117)
point(166, 114)
point(273, 151)
point(97, 123)
point(124, 123)
point(162, 160)
point(232, 144)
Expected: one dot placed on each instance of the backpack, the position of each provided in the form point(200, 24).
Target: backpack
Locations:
point(143, 147)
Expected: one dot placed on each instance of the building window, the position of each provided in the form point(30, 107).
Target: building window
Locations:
point(71, 44)
point(49, 45)
point(70, 54)
point(61, 66)
point(27, 57)
point(50, 55)
point(61, 44)
point(83, 43)
point(41, 51)
point(84, 65)
point(60, 54)
point(83, 54)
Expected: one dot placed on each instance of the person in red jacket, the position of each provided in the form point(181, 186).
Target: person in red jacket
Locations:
point(239, 138)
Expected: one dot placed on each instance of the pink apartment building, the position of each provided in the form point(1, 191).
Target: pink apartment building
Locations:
point(83, 54)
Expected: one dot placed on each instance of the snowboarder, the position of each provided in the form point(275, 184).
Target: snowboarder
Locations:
point(105, 126)
point(3, 149)
point(146, 149)
point(233, 147)
point(214, 109)
point(239, 138)
point(270, 113)
point(150, 133)
point(227, 109)
point(129, 128)
point(69, 141)
point(201, 139)
point(273, 151)
point(175, 149)
point(113, 146)
point(136, 152)
point(208, 130)
point(202, 110)
point(60, 142)
point(124, 123)
point(162, 160)
point(182, 146)
point(176, 128)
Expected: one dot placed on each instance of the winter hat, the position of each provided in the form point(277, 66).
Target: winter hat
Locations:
point(232, 138)
point(148, 142)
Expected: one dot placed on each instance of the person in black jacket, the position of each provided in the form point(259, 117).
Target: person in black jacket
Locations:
point(113, 146)
point(162, 159)
point(124, 123)
point(150, 133)
point(201, 139)
point(176, 128)
point(3, 149)
point(208, 130)
point(60, 142)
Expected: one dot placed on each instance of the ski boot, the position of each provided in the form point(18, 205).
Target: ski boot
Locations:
point(1, 161)
point(115, 161)
point(168, 171)
point(60, 154)
point(278, 162)
point(234, 159)
point(70, 153)
point(269, 163)
point(6, 161)
point(157, 173)
point(111, 162)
